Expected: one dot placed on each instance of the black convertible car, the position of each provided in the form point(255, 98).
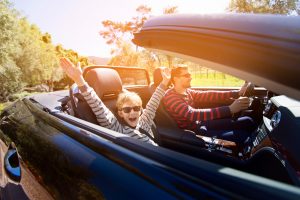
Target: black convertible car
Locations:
point(53, 146)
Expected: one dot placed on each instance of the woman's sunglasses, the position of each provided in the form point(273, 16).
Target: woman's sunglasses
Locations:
point(128, 109)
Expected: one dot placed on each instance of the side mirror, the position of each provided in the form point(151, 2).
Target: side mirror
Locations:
point(12, 163)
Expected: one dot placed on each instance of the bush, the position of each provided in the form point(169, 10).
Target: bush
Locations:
point(4, 105)
point(9, 81)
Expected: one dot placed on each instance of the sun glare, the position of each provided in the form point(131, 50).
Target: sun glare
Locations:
point(76, 24)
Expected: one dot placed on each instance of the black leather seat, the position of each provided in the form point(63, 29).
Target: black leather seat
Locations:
point(157, 78)
point(168, 133)
point(107, 85)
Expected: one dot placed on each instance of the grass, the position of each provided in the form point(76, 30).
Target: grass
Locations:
point(215, 79)
point(207, 77)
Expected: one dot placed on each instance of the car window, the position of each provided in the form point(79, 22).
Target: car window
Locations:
point(132, 76)
point(203, 76)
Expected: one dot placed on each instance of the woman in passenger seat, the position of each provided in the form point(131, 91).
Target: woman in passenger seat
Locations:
point(134, 121)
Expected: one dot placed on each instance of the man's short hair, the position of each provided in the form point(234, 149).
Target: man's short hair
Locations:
point(176, 71)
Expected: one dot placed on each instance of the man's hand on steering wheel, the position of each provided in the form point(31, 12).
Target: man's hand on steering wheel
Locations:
point(244, 101)
point(239, 105)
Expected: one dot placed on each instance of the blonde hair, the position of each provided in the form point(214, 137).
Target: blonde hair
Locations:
point(128, 96)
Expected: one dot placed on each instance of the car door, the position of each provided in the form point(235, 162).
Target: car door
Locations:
point(71, 162)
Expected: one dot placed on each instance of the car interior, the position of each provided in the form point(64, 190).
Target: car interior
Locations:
point(108, 84)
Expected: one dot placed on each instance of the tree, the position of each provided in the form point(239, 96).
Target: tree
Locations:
point(126, 57)
point(170, 10)
point(74, 57)
point(49, 62)
point(27, 56)
point(9, 71)
point(117, 34)
point(148, 60)
point(285, 7)
point(37, 58)
point(120, 34)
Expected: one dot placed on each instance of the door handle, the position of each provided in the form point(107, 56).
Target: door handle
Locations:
point(12, 164)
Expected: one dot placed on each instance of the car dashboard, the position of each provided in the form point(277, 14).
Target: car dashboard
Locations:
point(279, 133)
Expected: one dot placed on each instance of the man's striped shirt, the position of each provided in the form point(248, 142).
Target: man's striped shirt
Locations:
point(183, 107)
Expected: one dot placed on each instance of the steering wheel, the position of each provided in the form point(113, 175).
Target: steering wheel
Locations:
point(249, 90)
point(247, 93)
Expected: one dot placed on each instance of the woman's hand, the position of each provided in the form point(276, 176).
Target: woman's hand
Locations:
point(74, 72)
point(166, 75)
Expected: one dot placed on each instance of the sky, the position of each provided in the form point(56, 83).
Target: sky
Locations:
point(76, 23)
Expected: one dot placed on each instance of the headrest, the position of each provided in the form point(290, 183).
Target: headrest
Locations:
point(157, 78)
point(106, 82)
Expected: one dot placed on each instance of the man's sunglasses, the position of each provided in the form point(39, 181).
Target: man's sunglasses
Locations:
point(128, 109)
point(185, 75)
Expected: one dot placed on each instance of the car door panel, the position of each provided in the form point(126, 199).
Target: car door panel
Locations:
point(72, 162)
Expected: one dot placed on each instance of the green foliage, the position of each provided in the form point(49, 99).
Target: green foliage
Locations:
point(4, 105)
point(284, 7)
point(8, 28)
point(9, 71)
point(119, 35)
point(70, 54)
point(127, 57)
point(27, 56)
point(148, 60)
point(9, 80)
point(38, 61)
point(75, 58)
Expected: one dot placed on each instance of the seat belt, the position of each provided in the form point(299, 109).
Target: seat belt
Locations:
point(153, 129)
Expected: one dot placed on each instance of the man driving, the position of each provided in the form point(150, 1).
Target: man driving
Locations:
point(182, 103)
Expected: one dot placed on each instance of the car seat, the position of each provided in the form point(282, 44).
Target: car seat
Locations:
point(107, 85)
point(157, 78)
point(168, 133)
